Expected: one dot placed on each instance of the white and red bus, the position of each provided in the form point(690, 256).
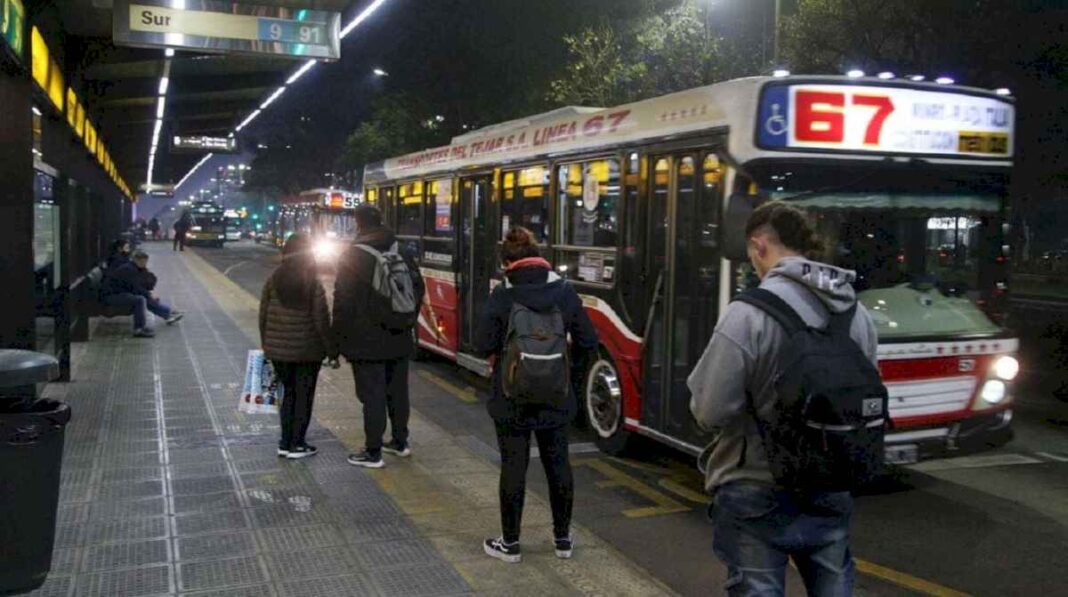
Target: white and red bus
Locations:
point(328, 216)
point(642, 207)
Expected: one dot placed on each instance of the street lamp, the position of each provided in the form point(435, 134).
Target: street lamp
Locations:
point(380, 73)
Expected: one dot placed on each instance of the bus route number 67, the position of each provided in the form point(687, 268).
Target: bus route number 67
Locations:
point(821, 115)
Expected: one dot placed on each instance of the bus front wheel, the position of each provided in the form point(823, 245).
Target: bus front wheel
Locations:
point(603, 401)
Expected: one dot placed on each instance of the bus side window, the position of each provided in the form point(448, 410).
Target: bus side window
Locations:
point(589, 208)
point(525, 201)
point(632, 286)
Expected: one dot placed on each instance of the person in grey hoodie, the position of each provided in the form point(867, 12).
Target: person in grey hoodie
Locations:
point(758, 526)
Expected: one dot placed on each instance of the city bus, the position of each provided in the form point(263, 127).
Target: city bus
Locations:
point(326, 215)
point(208, 225)
point(235, 225)
point(643, 208)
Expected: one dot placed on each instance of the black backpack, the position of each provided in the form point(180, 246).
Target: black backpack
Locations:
point(831, 410)
point(536, 364)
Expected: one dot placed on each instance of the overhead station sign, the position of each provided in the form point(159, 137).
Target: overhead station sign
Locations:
point(202, 144)
point(13, 25)
point(227, 27)
point(894, 120)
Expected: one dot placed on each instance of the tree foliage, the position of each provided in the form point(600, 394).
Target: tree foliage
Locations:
point(651, 54)
point(399, 124)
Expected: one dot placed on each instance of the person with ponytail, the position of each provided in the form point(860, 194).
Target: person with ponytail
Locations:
point(296, 337)
point(530, 282)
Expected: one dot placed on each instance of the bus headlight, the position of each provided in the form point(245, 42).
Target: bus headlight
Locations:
point(993, 391)
point(1006, 368)
point(325, 250)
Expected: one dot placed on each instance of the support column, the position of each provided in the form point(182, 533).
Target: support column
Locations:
point(17, 325)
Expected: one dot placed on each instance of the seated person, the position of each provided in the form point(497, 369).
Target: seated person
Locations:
point(118, 254)
point(126, 287)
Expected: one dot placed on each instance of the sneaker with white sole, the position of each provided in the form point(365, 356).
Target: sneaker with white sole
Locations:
point(397, 448)
point(175, 317)
point(366, 460)
point(302, 451)
point(144, 333)
point(564, 547)
point(283, 451)
point(505, 552)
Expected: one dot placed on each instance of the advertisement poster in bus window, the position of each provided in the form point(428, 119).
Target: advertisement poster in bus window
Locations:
point(13, 25)
point(443, 206)
point(864, 118)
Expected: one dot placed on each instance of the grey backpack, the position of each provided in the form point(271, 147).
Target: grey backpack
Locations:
point(394, 280)
point(536, 365)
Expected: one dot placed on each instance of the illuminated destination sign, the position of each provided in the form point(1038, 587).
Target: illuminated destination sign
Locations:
point(180, 144)
point(862, 118)
point(227, 27)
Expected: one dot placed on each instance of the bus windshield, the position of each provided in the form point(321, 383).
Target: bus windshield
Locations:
point(338, 225)
point(927, 250)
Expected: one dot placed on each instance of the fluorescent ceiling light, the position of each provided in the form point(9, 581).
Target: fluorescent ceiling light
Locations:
point(169, 52)
point(1003, 91)
point(164, 83)
point(160, 106)
point(855, 73)
point(274, 96)
point(35, 110)
point(944, 81)
point(159, 125)
point(886, 75)
point(192, 170)
point(361, 17)
point(300, 72)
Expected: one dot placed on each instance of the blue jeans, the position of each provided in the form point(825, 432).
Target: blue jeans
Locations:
point(758, 528)
point(139, 304)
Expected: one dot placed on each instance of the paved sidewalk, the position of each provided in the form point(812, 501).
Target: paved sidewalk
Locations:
point(168, 490)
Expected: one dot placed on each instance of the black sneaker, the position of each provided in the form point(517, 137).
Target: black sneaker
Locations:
point(283, 451)
point(303, 451)
point(175, 317)
point(366, 460)
point(398, 448)
point(564, 547)
point(506, 552)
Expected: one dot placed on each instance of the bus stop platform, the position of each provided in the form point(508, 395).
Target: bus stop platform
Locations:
point(168, 490)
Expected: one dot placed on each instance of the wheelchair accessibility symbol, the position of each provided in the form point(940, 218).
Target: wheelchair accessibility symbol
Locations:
point(775, 125)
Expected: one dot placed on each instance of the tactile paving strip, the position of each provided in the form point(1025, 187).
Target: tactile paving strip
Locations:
point(125, 555)
point(415, 582)
point(69, 535)
point(252, 591)
point(214, 574)
point(312, 563)
point(156, 506)
point(210, 547)
point(76, 513)
point(131, 459)
point(128, 490)
point(201, 486)
point(127, 529)
point(210, 522)
point(55, 586)
point(194, 455)
point(374, 556)
point(206, 503)
point(287, 515)
point(65, 561)
point(352, 585)
point(386, 529)
point(300, 538)
point(136, 582)
point(125, 475)
point(196, 471)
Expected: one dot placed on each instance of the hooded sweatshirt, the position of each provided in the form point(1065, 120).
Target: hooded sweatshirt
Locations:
point(742, 358)
point(536, 287)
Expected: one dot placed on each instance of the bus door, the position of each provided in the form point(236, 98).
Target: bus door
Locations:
point(474, 263)
point(683, 260)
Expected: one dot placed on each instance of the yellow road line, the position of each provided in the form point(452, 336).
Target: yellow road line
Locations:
point(465, 394)
point(618, 478)
point(906, 580)
point(684, 492)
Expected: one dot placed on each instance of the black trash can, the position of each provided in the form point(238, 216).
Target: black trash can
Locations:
point(31, 455)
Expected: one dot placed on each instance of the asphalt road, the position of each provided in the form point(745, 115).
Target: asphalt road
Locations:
point(989, 524)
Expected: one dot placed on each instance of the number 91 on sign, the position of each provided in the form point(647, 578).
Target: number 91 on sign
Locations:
point(292, 32)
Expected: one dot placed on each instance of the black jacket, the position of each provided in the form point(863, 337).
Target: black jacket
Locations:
point(538, 289)
point(359, 311)
point(126, 279)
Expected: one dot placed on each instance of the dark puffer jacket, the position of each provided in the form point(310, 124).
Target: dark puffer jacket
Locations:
point(535, 286)
point(295, 335)
point(359, 311)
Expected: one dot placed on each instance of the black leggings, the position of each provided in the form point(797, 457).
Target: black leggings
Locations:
point(299, 381)
point(515, 456)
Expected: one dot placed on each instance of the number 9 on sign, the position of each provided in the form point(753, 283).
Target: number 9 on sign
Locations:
point(276, 31)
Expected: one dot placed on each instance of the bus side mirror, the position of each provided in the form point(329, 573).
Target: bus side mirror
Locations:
point(733, 241)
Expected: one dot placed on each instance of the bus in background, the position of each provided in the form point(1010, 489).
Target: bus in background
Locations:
point(235, 225)
point(643, 208)
point(208, 226)
point(326, 215)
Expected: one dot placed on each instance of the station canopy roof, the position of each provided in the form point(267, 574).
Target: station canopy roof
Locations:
point(209, 94)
